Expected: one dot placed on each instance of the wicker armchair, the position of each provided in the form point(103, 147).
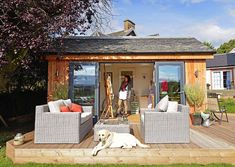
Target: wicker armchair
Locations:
point(69, 127)
point(165, 127)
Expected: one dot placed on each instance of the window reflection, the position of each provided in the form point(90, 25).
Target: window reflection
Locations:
point(84, 82)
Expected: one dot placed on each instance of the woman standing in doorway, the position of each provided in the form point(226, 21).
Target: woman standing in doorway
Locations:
point(123, 94)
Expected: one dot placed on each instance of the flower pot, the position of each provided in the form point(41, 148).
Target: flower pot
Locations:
point(197, 119)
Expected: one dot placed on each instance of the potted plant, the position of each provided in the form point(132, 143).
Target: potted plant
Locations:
point(60, 92)
point(195, 96)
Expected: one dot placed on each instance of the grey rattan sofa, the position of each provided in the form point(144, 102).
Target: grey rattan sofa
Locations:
point(165, 127)
point(65, 127)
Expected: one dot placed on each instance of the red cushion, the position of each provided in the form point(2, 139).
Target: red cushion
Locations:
point(64, 108)
point(75, 107)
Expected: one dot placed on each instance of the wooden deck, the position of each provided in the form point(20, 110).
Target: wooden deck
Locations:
point(215, 144)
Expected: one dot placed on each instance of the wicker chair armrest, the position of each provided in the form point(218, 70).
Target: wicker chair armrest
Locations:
point(40, 109)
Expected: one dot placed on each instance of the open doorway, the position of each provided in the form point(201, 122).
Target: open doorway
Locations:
point(140, 74)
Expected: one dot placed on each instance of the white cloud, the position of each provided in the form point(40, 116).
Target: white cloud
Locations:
point(231, 12)
point(211, 32)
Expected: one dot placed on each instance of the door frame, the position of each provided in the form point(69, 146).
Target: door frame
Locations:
point(182, 81)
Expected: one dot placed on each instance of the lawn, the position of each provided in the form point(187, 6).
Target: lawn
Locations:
point(229, 103)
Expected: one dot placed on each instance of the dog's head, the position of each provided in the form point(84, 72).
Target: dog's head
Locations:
point(103, 135)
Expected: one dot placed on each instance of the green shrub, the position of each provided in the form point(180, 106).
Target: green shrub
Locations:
point(195, 96)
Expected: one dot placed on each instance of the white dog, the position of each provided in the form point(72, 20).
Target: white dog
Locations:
point(116, 140)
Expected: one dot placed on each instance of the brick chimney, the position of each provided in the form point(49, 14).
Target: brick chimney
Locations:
point(128, 24)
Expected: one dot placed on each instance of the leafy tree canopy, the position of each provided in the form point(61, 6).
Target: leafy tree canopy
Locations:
point(31, 25)
point(226, 47)
point(209, 45)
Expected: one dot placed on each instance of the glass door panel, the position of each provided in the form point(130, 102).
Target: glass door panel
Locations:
point(84, 83)
point(170, 81)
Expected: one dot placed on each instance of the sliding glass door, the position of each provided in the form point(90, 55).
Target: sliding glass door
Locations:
point(84, 84)
point(170, 81)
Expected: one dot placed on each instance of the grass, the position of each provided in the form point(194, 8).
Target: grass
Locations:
point(229, 103)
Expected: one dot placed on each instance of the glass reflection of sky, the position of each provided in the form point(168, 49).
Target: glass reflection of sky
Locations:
point(86, 70)
point(86, 76)
point(169, 72)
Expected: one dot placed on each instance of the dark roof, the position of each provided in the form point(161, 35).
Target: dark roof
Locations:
point(130, 32)
point(98, 34)
point(221, 60)
point(124, 45)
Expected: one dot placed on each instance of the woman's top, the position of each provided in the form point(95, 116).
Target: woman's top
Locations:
point(123, 91)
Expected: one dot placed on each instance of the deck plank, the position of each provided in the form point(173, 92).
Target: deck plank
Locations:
point(193, 152)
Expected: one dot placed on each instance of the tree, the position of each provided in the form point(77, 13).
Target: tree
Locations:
point(209, 45)
point(32, 25)
point(226, 47)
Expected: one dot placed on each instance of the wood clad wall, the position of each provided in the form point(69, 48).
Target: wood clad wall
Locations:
point(62, 66)
point(190, 67)
point(58, 73)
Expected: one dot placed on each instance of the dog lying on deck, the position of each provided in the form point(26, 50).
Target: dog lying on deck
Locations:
point(116, 140)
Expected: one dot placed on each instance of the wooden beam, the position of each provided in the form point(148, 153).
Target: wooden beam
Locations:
point(128, 57)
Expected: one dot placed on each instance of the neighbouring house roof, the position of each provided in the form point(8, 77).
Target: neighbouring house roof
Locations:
point(232, 51)
point(129, 45)
point(221, 60)
point(98, 34)
point(129, 32)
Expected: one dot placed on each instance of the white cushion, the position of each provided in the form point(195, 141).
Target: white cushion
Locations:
point(163, 104)
point(85, 116)
point(54, 106)
point(172, 106)
point(67, 102)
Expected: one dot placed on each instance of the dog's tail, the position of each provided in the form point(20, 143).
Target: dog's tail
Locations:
point(140, 144)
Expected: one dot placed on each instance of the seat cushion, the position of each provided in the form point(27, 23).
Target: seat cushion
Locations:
point(85, 116)
point(54, 106)
point(172, 106)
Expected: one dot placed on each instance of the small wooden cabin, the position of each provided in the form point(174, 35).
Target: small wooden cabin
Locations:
point(83, 62)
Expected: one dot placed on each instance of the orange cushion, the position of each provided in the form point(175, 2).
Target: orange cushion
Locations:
point(75, 107)
point(64, 108)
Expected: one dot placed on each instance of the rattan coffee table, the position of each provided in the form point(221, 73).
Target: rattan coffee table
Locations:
point(119, 126)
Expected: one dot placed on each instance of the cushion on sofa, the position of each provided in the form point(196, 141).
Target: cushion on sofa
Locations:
point(172, 106)
point(163, 104)
point(67, 102)
point(64, 108)
point(75, 107)
point(85, 116)
point(54, 106)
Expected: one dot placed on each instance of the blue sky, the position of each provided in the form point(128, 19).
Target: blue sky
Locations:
point(206, 20)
